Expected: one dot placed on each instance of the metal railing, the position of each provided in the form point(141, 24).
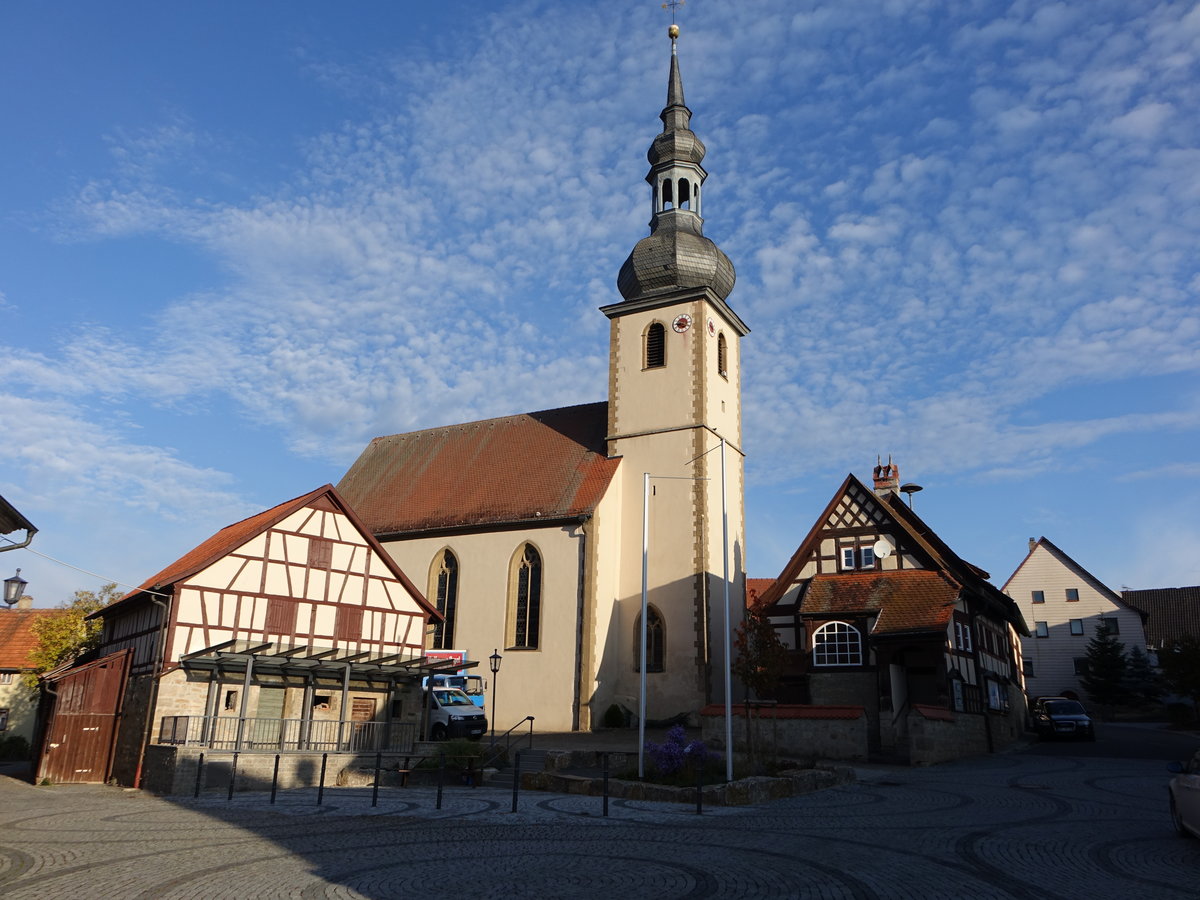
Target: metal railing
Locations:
point(497, 751)
point(287, 735)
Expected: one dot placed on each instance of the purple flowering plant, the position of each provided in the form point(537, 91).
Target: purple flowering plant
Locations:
point(677, 754)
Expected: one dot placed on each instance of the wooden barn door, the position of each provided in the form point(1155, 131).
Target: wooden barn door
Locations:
point(79, 739)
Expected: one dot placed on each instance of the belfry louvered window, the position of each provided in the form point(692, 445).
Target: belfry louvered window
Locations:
point(722, 356)
point(656, 346)
point(445, 592)
point(525, 600)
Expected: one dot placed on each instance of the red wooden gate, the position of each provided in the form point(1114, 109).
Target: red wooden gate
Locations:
point(79, 739)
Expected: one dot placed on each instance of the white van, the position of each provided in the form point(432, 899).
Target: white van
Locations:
point(453, 715)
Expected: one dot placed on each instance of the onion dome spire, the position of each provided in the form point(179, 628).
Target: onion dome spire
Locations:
point(676, 255)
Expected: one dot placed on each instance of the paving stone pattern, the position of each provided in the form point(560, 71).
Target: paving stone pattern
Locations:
point(997, 827)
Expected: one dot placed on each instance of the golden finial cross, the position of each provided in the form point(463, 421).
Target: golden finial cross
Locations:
point(673, 5)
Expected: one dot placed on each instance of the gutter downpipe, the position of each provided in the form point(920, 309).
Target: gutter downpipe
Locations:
point(159, 665)
point(580, 605)
point(29, 533)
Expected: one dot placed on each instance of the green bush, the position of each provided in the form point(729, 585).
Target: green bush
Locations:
point(458, 752)
point(1179, 714)
point(14, 746)
point(614, 717)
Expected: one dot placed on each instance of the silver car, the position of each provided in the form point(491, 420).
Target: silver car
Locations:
point(1184, 791)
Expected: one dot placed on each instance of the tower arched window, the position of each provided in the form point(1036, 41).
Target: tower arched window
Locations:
point(443, 588)
point(668, 198)
point(837, 644)
point(525, 600)
point(684, 194)
point(656, 642)
point(656, 346)
point(722, 356)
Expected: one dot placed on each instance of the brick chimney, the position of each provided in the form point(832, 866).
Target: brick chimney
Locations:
point(26, 602)
point(887, 477)
point(1032, 544)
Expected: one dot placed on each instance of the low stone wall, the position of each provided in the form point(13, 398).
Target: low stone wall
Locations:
point(793, 730)
point(743, 792)
point(172, 770)
point(946, 736)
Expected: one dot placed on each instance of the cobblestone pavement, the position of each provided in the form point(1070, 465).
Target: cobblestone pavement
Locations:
point(999, 827)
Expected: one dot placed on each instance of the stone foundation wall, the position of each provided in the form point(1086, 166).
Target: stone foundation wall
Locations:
point(797, 732)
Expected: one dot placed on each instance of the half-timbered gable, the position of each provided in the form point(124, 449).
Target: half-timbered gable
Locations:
point(877, 610)
point(292, 630)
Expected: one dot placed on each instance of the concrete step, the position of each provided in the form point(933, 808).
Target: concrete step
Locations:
point(531, 761)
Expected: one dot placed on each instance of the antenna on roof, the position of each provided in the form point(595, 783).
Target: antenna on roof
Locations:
point(910, 489)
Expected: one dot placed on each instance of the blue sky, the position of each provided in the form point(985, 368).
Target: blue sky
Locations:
point(238, 240)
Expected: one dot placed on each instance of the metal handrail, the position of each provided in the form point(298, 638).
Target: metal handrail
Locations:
point(494, 752)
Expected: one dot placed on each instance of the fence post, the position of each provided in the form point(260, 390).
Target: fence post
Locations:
point(516, 781)
point(441, 776)
point(605, 756)
point(699, 787)
point(321, 786)
point(199, 775)
point(232, 777)
point(275, 779)
point(375, 790)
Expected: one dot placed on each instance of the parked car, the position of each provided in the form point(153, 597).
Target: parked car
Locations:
point(1184, 794)
point(1059, 717)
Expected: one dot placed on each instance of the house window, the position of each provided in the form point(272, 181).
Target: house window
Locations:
point(656, 346)
point(962, 636)
point(6, 677)
point(837, 644)
point(445, 590)
point(1026, 666)
point(525, 600)
point(320, 553)
point(655, 642)
point(281, 616)
point(722, 366)
point(3, 718)
point(858, 558)
point(348, 625)
point(1110, 624)
point(1072, 594)
point(1039, 596)
point(231, 699)
point(1081, 665)
point(1040, 629)
point(1077, 626)
point(997, 696)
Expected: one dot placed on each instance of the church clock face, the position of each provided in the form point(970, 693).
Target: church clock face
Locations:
point(682, 323)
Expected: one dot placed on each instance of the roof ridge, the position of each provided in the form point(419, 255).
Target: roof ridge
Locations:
point(512, 416)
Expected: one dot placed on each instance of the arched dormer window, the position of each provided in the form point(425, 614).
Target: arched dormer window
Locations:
point(656, 346)
point(722, 356)
point(656, 642)
point(525, 599)
point(837, 644)
point(443, 587)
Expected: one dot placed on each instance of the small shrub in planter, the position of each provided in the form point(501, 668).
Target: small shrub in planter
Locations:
point(676, 759)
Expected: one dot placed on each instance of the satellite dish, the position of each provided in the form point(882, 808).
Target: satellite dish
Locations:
point(883, 549)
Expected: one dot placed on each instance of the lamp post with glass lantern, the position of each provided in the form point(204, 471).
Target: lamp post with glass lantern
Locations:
point(494, 662)
point(13, 588)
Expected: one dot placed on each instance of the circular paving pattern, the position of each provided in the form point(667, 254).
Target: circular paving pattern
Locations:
point(1007, 826)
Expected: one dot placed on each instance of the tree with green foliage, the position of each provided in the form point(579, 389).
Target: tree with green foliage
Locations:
point(69, 635)
point(1179, 660)
point(761, 656)
point(1106, 666)
point(1142, 683)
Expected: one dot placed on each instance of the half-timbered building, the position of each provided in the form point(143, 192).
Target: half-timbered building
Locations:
point(879, 612)
point(291, 631)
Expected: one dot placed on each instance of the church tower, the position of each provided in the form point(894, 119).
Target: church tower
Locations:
point(674, 395)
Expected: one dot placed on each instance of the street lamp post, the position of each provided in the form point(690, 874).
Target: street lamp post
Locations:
point(13, 588)
point(494, 662)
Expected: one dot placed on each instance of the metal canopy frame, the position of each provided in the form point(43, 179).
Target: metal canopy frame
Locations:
point(311, 661)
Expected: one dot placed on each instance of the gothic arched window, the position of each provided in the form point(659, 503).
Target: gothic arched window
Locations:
point(444, 588)
point(656, 346)
point(656, 642)
point(837, 644)
point(525, 600)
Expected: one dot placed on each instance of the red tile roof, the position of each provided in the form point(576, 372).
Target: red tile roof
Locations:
point(16, 635)
point(233, 536)
point(549, 465)
point(908, 600)
point(1169, 612)
point(754, 590)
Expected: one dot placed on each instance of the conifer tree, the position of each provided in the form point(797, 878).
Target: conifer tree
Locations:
point(1105, 678)
point(1179, 660)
